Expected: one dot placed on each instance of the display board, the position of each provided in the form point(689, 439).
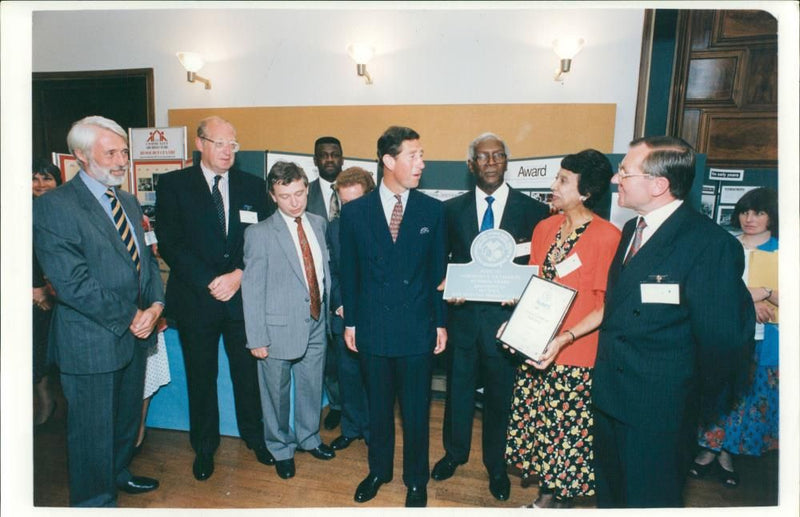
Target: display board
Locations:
point(446, 130)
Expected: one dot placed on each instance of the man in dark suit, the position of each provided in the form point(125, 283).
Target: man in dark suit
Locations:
point(678, 321)
point(351, 184)
point(324, 200)
point(89, 240)
point(472, 326)
point(201, 215)
point(392, 260)
point(285, 290)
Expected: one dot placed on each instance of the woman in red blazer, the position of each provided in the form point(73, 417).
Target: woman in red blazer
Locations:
point(551, 419)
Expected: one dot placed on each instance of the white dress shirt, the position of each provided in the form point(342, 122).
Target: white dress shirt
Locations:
point(654, 221)
point(316, 252)
point(498, 205)
point(388, 201)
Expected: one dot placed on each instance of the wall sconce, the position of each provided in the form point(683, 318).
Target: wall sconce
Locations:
point(361, 53)
point(193, 62)
point(566, 49)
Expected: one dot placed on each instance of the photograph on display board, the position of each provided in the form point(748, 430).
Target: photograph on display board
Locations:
point(144, 176)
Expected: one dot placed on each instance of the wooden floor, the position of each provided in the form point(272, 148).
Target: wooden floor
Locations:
point(239, 481)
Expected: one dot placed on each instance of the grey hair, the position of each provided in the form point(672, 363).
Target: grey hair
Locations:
point(83, 134)
point(483, 138)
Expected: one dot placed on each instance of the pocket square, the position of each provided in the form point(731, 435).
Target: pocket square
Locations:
point(424, 230)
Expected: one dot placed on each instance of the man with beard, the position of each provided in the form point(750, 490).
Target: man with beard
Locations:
point(89, 241)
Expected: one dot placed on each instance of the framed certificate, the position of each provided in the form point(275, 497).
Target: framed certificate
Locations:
point(537, 316)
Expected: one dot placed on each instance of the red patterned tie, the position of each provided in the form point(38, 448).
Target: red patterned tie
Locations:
point(637, 239)
point(396, 219)
point(311, 271)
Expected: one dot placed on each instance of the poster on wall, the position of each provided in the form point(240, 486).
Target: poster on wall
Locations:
point(67, 164)
point(708, 200)
point(157, 143)
point(144, 178)
point(724, 216)
point(533, 173)
point(730, 195)
point(306, 161)
point(726, 174)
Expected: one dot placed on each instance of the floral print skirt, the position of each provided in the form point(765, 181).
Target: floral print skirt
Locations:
point(751, 427)
point(549, 433)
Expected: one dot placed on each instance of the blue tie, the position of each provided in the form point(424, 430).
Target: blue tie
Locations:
point(488, 216)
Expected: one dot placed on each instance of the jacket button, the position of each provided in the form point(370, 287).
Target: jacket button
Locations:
point(227, 255)
point(636, 312)
point(405, 282)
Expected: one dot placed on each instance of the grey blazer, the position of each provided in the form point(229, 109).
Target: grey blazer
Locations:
point(97, 287)
point(274, 292)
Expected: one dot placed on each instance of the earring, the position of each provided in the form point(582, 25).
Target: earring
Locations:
point(583, 198)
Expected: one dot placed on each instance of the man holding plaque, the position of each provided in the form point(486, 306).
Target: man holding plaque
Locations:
point(472, 325)
point(392, 260)
point(677, 318)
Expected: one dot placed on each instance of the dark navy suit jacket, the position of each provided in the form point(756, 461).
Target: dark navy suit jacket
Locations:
point(389, 289)
point(191, 241)
point(652, 357)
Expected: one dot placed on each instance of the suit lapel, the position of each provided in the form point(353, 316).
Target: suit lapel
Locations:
point(512, 213)
point(286, 242)
point(235, 195)
point(206, 212)
point(647, 259)
point(468, 224)
point(98, 218)
point(380, 228)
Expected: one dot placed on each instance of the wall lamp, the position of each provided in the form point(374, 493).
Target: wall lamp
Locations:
point(361, 53)
point(193, 62)
point(566, 49)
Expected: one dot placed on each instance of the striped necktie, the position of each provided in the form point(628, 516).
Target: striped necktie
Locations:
point(216, 195)
point(124, 229)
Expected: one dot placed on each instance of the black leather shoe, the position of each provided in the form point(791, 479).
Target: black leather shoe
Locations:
point(499, 486)
point(321, 452)
point(444, 468)
point(332, 419)
point(264, 456)
point(139, 485)
point(343, 442)
point(368, 488)
point(285, 468)
point(417, 497)
point(203, 466)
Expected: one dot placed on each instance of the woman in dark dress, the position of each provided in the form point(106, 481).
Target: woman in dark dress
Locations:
point(46, 176)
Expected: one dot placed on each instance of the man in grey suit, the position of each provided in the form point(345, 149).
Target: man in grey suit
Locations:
point(285, 287)
point(89, 240)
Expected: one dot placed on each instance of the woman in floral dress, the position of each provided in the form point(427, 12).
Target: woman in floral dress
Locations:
point(549, 433)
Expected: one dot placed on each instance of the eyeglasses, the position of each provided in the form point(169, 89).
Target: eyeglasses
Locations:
point(219, 144)
point(624, 175)
point(484, 157)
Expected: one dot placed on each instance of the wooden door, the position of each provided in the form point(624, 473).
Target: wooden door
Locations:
point(725, 87)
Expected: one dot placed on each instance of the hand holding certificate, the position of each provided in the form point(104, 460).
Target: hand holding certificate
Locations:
point(537, 316)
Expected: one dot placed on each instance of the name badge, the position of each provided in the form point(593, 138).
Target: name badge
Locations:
point(248, 216)
point(522, 249)
point(150, 238)
point(568, 265)
point(661, 293)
